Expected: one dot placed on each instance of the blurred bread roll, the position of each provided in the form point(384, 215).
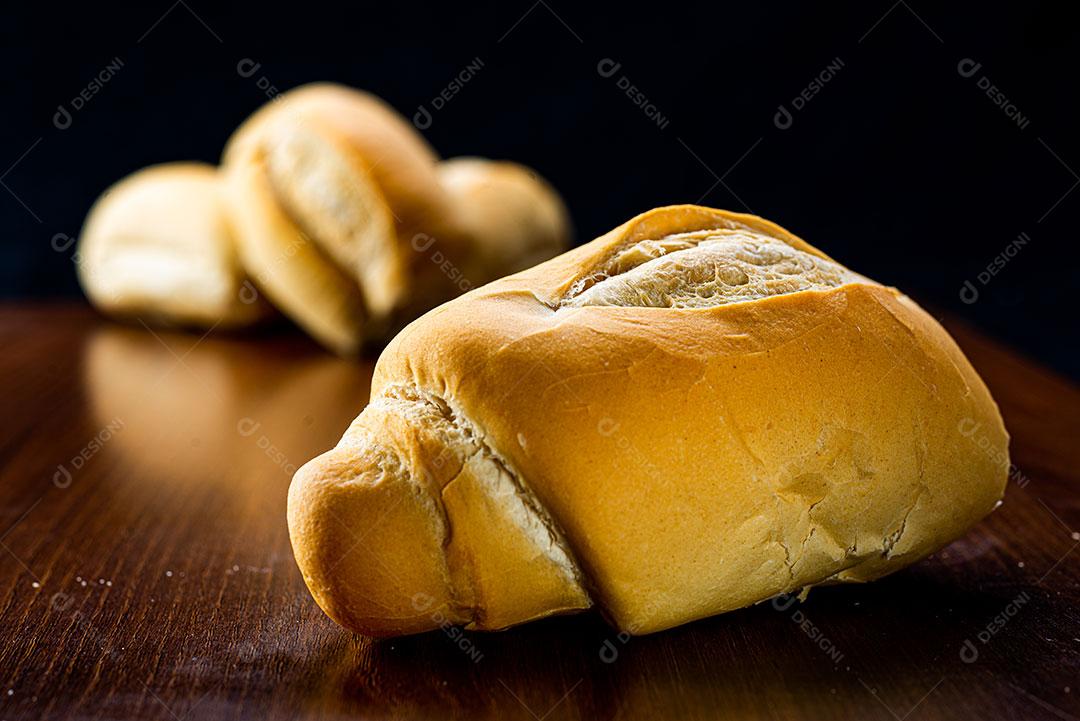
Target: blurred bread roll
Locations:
point(357, 178)
point(285, 263)
point(512, 217)
point(336, 208)
point(158, 246)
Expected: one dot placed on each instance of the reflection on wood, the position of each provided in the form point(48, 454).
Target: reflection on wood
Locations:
point(157, 580)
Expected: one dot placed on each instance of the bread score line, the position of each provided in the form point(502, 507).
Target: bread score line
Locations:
point(692, 413)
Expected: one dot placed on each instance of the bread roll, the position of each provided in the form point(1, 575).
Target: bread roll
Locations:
point(688, 415)
point(336, 205)
point(512, 218)
point(358, 179)
point(370, 194)
point(158, 246)
point(285, 263)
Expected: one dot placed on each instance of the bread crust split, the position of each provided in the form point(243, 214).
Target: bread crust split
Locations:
point(682, 461)
point(286, 264)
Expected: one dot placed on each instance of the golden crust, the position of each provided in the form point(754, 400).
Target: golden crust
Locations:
point(697, 460)
point(385, 229)
point(398, 158)
point(323, 183)
point(513, 218)
point(158, 245)
point(287, 266)
point(371, 193)
point(372, 148)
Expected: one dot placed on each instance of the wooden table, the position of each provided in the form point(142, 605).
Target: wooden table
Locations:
point(145, 568)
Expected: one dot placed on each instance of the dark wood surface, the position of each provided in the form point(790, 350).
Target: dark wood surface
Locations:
point(145, 567)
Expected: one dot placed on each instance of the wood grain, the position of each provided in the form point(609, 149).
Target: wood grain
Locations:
point(145, 568)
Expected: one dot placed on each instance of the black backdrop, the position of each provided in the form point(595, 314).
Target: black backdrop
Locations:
point(919, 141)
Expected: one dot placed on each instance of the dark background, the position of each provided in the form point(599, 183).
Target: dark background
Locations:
point(899, 167)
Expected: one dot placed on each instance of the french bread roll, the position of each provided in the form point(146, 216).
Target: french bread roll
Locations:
point(358, 179)
point(158, 246)
point(511, 217)
point(373, 198)
point(335, 206)
point(286, 264)
point(688, 415)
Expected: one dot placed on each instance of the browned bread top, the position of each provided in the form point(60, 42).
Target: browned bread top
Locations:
point(698, 410)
